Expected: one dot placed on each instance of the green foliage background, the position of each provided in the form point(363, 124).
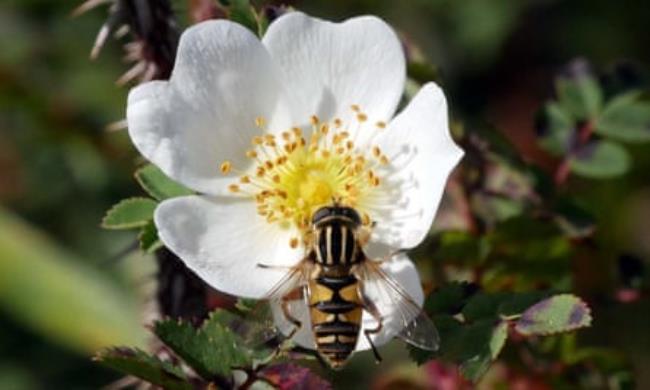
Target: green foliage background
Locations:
point(63, 294)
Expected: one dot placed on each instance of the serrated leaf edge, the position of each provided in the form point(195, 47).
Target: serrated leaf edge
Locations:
point(133, 225)
point(582, 303)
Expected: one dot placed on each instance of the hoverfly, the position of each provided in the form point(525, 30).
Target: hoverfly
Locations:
point(330, 289)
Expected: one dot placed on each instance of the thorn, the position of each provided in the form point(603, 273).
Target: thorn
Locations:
point(100, 40)
point(87, 6)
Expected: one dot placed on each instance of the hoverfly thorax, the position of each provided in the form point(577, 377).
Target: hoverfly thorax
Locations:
point(335, 236)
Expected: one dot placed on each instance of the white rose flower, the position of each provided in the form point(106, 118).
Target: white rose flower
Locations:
point(268, 131)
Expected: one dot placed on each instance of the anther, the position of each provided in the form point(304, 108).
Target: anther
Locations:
point(338, 122)
point(251, 154)
point(260, 121)
point(355, 108)
point(293, 243)
point(381, 124)
point(376, 151)
point(361, 117)
point(245, 179)
point(383, 160)
point(225, 167)
point(314, 120)
point(233, 188)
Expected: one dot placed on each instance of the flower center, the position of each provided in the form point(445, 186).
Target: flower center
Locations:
point(295, 174)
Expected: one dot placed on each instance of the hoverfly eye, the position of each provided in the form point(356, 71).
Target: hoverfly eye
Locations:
point(352, 214)
point(320, 214)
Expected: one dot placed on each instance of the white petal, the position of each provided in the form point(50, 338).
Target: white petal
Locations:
point(422, 154)
point(223, 79)
point(223, 240)
point(401, 269)
point(329, 66)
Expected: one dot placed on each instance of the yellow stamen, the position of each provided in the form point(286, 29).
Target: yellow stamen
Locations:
point(225, 167)
point(293, 175)
point(260, 122)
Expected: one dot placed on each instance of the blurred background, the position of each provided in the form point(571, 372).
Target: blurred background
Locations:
point(68, 288)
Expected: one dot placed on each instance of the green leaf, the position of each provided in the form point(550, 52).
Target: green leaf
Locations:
point(60, 296)
point(560, 313)
point(557, 129)
point(144, 366)
point(600, 160)
point(129, 213)
point(483, 305)
point(449, 299)
point(210, 350)
point(492, 343)
point(158, 185)
point(148, 238)
point(242, 12)
point(625, 118)
point(580, 95)
point(517, 303)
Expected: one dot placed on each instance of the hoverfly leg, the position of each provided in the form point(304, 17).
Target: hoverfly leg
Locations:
point(372, 310)
point(269, 266)
point(287, 314)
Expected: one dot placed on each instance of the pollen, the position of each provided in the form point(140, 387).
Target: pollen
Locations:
point(225, 168)
point(260, 122)
point(303, 168)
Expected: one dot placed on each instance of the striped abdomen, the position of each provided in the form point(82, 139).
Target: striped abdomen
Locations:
point(335, 314)
point(335, 243)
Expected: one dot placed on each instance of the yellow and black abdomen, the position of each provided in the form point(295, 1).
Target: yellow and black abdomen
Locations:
point(335, 309)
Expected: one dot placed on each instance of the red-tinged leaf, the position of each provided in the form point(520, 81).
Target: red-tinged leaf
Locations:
point(559, 313)
point(288, 376)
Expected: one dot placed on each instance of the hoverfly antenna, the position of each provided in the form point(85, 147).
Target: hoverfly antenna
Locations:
point(336, 200)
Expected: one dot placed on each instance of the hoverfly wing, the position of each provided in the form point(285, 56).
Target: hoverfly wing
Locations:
point(268, 318)
point(420, 332)
point(397, 309)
